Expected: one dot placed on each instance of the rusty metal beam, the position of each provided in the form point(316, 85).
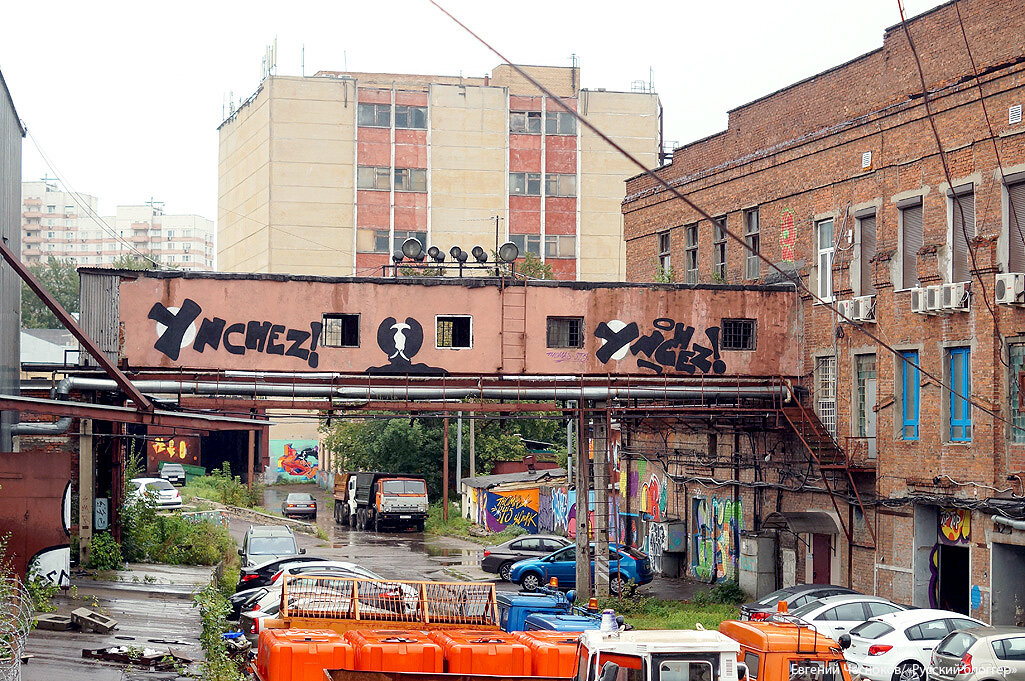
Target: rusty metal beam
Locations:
point(71, 325)
point(101, 412)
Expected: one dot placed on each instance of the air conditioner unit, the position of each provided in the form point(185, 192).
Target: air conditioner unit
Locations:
point(956, 297)
point(934, 298)
point(919, 304)
point(1010, 288)
point(865, 308)
point(845, 308)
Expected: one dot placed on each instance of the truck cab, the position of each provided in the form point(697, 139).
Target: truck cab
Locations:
point(784, 648)
point(686, 655)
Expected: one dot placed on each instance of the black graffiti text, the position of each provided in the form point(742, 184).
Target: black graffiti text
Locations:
point(659, 352)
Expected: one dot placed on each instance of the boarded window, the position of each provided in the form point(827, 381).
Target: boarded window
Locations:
point(963, 231)
point(911, 242)
point(1016, 227)
point(867, 251)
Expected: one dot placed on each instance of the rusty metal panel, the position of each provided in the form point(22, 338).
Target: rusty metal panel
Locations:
point(99, 300)
point(10, 232)
point(35, 510)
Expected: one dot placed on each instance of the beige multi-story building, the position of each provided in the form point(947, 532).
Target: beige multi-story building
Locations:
point(68, 226)
point(329, 174)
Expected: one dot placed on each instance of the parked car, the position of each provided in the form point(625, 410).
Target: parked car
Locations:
point(267, 542)
point(499, 559)
point(980, 654)
point(833, 616)
point(900, 645)
point(794, 596)
point(628, 568)
point(174, 473)
point(263, 573)
point(160, 491)
point(247, 599)
point(299, 504)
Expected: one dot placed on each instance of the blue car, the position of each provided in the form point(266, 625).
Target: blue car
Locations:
point(628, 568)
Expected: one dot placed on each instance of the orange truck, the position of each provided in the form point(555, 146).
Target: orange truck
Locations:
point(784, 648)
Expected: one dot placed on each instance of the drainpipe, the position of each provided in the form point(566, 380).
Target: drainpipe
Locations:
point(56, 428)
point(1016, 524)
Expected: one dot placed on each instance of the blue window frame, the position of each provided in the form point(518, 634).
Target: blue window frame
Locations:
point(910, 392)
point(960, 367)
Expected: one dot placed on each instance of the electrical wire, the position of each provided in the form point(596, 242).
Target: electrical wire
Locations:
point(707, 216)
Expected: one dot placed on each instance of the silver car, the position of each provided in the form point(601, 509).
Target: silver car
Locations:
point(980, 654)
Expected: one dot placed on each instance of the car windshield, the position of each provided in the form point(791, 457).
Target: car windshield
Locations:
point(774, 597)
point(301, 498)
point(632, 552)
point(173, 468)
point(403, 487)
point(271, 546)
point(871, 629)
point(159, 484)
point(806, 608)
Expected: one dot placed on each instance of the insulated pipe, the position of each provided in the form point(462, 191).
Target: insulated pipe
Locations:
point(1016, 524)
point(402, 392)
point(529, 378)
point(57, 427)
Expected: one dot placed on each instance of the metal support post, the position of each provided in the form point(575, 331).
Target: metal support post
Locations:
point(583, 536)
point(252, 458)
point(459, 453)
point(444, 477)
point(473, 447)
point(600, 435)
point(569, 446)
point(86, 467)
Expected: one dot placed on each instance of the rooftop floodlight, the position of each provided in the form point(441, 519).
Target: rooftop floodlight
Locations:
point(479, 254)
point(454, 252)
point(420, 257)
point(462, 256)
point(396, 256)
point(437, 255)
point(411, 248)
point(508, 252)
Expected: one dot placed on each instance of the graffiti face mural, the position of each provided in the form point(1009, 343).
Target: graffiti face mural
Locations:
point(400, 341)
point(296, 460)
point(717, 527)
point(176, 329)
point(668, 348)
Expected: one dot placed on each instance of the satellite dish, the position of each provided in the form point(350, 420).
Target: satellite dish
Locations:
point(436, 254)
point(411, 248)
point(479, 254)
point(508, 252)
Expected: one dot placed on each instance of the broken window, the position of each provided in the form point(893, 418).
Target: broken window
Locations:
point(665, 262)
point(528, 122)
point(454, 332)
point(374, 115)
point(720, 249)
point(414, 117)
point(525, 184)
point(340, 331)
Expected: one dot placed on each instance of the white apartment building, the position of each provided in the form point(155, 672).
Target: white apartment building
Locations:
point(64, 225)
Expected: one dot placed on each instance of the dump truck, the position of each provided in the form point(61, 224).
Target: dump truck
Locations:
point(341, 497)
point(379, 501)
point(786, 648)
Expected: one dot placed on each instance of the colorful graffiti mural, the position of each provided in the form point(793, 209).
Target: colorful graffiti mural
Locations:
point(517, 508)
point(716, 537)
point(655, 498)
point(955, 525)
point(295, 460)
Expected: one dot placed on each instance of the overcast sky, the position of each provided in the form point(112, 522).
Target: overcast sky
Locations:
point(125, 97)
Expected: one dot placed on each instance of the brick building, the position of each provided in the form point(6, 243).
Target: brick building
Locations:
point(838, 180)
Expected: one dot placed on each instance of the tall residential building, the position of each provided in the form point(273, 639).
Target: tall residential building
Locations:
point(328, 174)
point(65, 225)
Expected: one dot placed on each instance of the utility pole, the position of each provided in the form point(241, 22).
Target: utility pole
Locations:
point(459, 453)
point(473, 447)
point(583, 538)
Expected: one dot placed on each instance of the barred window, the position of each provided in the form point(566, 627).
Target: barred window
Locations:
point(738, 334)
point(565, 332)
point(340, 331)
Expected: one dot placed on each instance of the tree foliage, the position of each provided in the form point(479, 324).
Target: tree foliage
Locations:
point(128, 261)
point(533, 267)
point(60, 278)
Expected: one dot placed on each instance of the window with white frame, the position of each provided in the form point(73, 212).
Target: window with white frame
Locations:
point(825, 392)
point(454, 331)
point(752, 238)
point(410, 180)
point(527, 243)
point(691, 253)
point(824, 232)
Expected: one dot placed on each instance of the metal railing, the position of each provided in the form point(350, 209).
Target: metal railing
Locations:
point(339, 598)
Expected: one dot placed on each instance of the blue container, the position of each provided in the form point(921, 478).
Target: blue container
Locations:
point(560, 622)
point(514, 608)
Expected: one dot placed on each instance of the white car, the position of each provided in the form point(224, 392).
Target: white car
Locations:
point(898, 646)
point(834, 616)
point(163, 493)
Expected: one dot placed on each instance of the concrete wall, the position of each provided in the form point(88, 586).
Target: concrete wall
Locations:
point(10, 232)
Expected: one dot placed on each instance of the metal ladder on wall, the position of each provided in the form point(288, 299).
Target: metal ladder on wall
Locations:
point(514, 328)
point(828, 455)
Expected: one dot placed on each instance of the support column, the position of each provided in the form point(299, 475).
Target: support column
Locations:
point(582, 486)
point(86, 469)
point(117, 480)
point(473, 447)
point(444, 477)
point(600, 434)
point(459, 454)
point(252, 457)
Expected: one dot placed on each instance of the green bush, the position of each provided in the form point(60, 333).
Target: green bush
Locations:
point(223, 487)
point(104, 552)
point(41, 590)
point(213, 610)
point(458, 526)
point(726, 592)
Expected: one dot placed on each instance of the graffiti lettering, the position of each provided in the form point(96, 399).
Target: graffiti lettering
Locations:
point(656, 544)
point(717, 528)
point(545, 516)
point(955, 525)
point(298, 460)
point(655, 498)
point(659, 352)
point(578, 356)
point(176, 328)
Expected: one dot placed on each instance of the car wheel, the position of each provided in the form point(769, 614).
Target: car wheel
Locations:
point(505, 570)
point(909, 671)
point(530, 582)
point(314, 517)
point(616, 585)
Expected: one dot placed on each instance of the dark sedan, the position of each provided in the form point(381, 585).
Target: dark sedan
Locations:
point(499, 559)
point(299, 504)
point(794, 596)
point(263, 574)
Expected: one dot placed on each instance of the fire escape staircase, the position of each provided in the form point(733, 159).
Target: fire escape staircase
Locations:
point(829, 457)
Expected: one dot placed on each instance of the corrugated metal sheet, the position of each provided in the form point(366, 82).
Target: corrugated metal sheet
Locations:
point(10, 231)
point(100, 317)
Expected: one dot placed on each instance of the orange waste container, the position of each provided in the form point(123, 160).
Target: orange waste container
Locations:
point(552, 653)
point(396, 651)
point(483, 652)
point(300, 654)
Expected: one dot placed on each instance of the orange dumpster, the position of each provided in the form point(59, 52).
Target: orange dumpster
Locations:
point(483, 652)
point(552, 653)
point(301, 654)
point(396, 651)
